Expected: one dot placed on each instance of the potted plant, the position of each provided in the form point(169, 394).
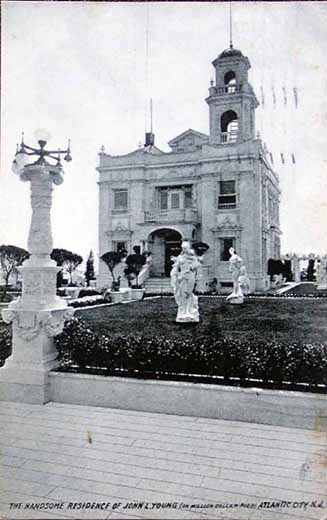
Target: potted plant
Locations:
point(112, 259)
point(135, 263)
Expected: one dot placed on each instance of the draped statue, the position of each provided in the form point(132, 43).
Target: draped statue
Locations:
point(183, 279)
point(235, 265)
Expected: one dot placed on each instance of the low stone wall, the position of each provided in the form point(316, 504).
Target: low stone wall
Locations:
point(274, 407)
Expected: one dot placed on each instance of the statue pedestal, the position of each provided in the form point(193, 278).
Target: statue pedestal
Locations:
point(235, 299)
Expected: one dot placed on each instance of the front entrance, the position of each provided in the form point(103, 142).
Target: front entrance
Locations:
point(172, 248)
point(163, 244)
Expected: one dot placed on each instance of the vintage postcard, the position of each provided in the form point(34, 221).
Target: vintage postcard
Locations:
point(163, 260)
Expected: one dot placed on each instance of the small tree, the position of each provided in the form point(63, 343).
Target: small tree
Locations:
point(60, 256)
point(71, 264)
point(135, 263)
point(10, 258)
point(112, 259)
point(67, 260)
point(89, 272)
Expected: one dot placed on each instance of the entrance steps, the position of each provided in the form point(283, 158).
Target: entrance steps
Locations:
point(158, 286)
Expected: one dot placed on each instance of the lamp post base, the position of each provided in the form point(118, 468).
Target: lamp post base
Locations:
point(24, 377)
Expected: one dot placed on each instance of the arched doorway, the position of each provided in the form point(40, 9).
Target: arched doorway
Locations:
point(163, 244)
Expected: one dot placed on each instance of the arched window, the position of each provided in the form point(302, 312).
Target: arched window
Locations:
point(230, 81)
point(229, 127)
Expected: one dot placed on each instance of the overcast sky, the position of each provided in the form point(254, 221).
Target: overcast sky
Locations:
point(78, 69)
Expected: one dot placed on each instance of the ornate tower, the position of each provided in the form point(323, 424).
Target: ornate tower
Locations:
point(231, 100)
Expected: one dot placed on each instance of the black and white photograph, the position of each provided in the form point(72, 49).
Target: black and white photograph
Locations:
point(163, 260)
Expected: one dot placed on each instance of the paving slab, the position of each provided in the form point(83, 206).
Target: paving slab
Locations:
point(114, 464)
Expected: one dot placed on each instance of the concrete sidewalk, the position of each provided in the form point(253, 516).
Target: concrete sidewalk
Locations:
point(87, 462)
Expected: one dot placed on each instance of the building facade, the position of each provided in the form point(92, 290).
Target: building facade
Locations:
point(218, 188)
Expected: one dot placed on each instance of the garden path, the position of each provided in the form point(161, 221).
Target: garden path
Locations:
point(73, 455)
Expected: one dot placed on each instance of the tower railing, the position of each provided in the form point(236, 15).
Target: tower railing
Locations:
point(228, 137)
point(228, 89)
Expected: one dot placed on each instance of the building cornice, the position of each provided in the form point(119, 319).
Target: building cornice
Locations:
point(199, 162)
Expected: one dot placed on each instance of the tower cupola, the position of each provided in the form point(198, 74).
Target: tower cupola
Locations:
point(231, 100)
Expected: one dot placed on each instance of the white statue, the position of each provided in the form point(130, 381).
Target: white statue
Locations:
point(235, 264)
point(321, 273)
point(244, 281)
point(296, 269)
point(183, 278)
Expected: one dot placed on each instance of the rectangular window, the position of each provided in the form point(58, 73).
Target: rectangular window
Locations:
point(121, 199)
point(227, 195)
point(225, 245)
point(119, 247)
point(226, 284)
point(175, 200)
point(175, 197)
point(164, 200)
point(188, 199)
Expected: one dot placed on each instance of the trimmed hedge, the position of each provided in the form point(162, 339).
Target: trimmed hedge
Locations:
point(208, 356)
point(284, 296)
point(289, 295)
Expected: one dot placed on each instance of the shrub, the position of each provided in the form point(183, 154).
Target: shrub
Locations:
point(207, 355)
point(77, 344)
point(135, 263)
point(89, 272)
point(87, 301)
point(5, 297)
point(5, 344)
point(88, 291)
point(112, 259)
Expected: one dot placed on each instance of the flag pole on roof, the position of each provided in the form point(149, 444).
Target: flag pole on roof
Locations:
point(149, 136)
point(230, 25)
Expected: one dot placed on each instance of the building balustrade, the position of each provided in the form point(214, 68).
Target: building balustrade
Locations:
point(176, 215)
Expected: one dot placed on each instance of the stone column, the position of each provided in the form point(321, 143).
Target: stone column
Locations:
point(39, 314)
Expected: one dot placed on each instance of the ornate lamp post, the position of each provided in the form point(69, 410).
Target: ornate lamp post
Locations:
point(39, 314)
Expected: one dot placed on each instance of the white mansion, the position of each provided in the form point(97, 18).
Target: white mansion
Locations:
point(218, 188)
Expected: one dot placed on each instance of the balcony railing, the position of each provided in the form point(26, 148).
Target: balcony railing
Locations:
point(228, 137)
point(228, 89)
point(230, 205)
point(172, 215)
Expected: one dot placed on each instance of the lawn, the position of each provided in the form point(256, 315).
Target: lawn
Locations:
point(280, 319)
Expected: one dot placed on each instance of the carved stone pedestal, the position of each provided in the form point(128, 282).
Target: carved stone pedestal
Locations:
point(24, 377)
